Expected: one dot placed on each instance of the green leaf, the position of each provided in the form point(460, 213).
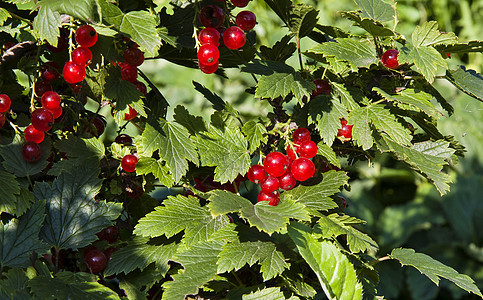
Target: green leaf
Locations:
point(327, 112)
point(317, 197)
point(345, 95)
point(236, 255)
point(73, 216)
point(9, 189)
point(427, 157)
point(375, 28)
point(428, 34)
point(4, 15)
point(272, 293)
point(434, 269)
point(333, 269)
point(15, 282)
point(138, 254)
point(140, 26)
point(376, 9)
point(14, 162)
point(46, 24)
point(218, 103)
point(281, 51)
point(382, 120)
point(303, 19)
point(20, 237)
point(111, 13)
point(199, 262)
point(119, 151)
point(190, 122)
point(181, 213)
point(282, 84)
point(149, 165)
point(85, 10)
point(226, 150)
point(24, 200)
point(334, 225)
point(255, 133)
point(471, 46)
point(79, 152)
point(356, 53)
point(416, 100)
point(282, 8)
point(328, 153)
point(425, 59)
point(468, 81)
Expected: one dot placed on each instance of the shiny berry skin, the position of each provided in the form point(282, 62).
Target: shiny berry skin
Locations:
point(308, 149)
point(290, 151)
point(99, 125)
point(240, 3)
point(129, 73)
point(129, 162)
point(208, 69)
point(301, 135)
point(31, 151)
point(2, 120)
point(5, 103)
point(81, 56)
point(389, 59)
point(133, 56)
point(322, 87)
point(302, 169)
point(131, 114)
point(346, 131)
point(73, 73)
point(95, 260)
point(256, 174)
point(33, 135)
point(49, 71)
point(268, 197)
point(287, 182)
point(42, 119)
point(270, 184)
point(246, 20)
point(123, 139)
point(208, 54)
point(86, 36)
point(109, 234)
point(50, 100)
point(209, 36)
point(41, 87)
point(276, 164)
point(212, 16)
point(234, 38)
point(274, 201)
point(140, 87)
point(56, 112)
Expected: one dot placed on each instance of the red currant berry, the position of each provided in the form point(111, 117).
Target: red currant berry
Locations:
point(322, 87)
point(131, 114)
point(308, 149)
point(133, 56)
point(257, 174)
point(33, 135)
point(301, 135)
point(41, 87)
point(290, 151)
point(276, 164)
point(86, 36)
point(42, 119)
point(234, 38)
point(212, 16)
point(274, 201)
point(208, 54)
point(129, 162)
point(5, 103)
point(99, 126)
point(81, 56)
point(287, 182)
point(345, 133)
point(49, 71)
point(141, 87)
point(57, 112)
point(95, 260)
point(123, 139)
point(270, 184)
point(109, 234)
point(209, 36)
point(129, 72)
point(389, 59)
point(109, 251)
point(302, 169)
point(2, 120)
point(31, 151)
point(50, 100)
point(246, 20)
point(208, 69)
point(268, 197)
point(73, 73)
point(240, 3)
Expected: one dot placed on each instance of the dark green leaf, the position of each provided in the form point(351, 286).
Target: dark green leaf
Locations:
point(79, 152)
point(149, 165)
point(411, 99)
point(327, 112)
point(302, 20)
point(328, 153)
point(282, 8)
point(190, 122)
point(471, 46)
point(468, 81)
point(281, 51)
point(9, 189)
point(218, 103)
point(140, 26)
point(255, 133)
point(282, 84)
point(375, 28)
point(272, 293)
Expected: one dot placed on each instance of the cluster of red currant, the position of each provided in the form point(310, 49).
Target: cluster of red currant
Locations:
point(212, 17)
point(285, 170)
point(75, 70)
point(95, 259)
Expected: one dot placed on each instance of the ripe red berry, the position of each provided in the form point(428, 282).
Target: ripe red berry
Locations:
point(308, 149)
point(123, 139)
point(287, 182)
point(81, 56)
point(131, 114)
point(208, 69)
point(57, 113)
point(302, 169)
point(140, 87)
point(99, 126)
point(33, 135)
point(322, 87)
point(86, 36)
point(129, 72)
point(276, 164)
point(345, 133)
point(240, 3)
point(42, 119)
point(129, 162)
point(234, 38)
point(389, 59)
point(5, 103)
point(301, 135)
point(270, 184)
point(209, 36)
point(212, 16)
point(109, 251)
point(268, 197)
point(49, 71)
point(2, 120)
point(41, 87)
point(208, 54)
point(73, 73)
point(50, 100)
point(109, 234)
point(256, 174)
point(290, 151)
point(95, 260)
point(133, 56)
point(31, 151)
point(246, 20)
